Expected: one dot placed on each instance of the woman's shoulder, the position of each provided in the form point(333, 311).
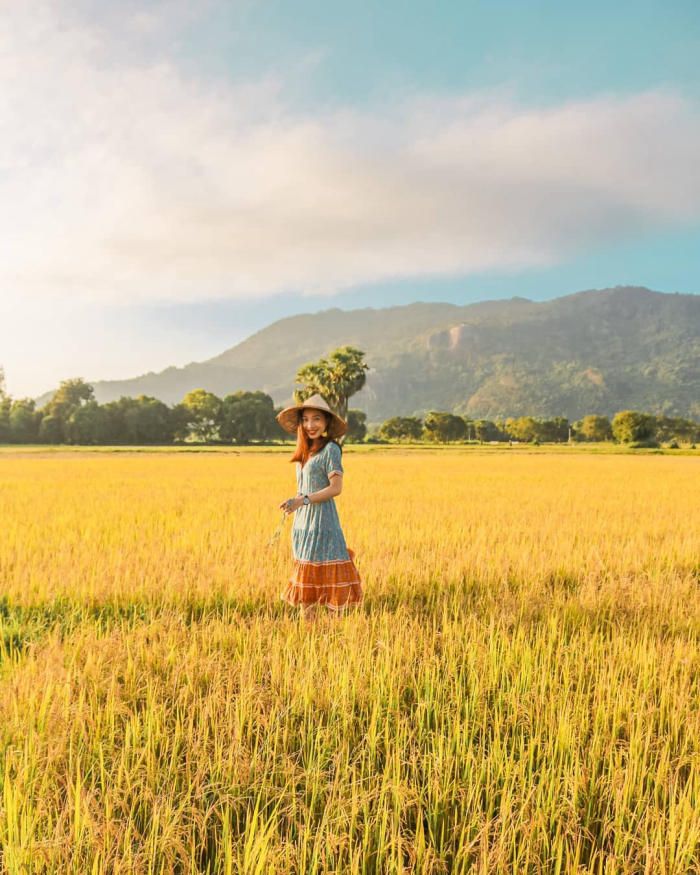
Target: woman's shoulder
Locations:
point(333, 448)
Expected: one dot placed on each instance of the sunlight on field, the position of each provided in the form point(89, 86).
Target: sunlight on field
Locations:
point(519, 692)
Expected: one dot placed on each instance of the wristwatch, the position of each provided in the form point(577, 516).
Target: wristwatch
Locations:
point(306, 500)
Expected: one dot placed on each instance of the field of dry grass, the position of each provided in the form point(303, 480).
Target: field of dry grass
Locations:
point(520, 691)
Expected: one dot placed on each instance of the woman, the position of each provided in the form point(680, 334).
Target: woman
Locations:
point(324, 571)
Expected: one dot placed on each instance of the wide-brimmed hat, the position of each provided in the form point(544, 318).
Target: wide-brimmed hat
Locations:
point(290, 417)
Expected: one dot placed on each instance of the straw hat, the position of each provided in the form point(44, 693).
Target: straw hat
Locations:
point(290, 417)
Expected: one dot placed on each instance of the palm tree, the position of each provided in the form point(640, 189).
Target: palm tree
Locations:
point(336, 379)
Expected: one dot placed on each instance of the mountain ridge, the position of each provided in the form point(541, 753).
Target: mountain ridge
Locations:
point(592, 351)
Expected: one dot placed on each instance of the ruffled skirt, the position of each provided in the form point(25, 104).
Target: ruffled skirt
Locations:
point(335, 584)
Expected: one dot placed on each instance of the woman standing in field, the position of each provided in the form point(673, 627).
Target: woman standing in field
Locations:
point(324, 571)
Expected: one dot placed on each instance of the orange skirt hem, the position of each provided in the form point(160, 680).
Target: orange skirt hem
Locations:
point(334, 584)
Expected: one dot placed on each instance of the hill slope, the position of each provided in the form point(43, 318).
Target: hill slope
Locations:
point(596, 351)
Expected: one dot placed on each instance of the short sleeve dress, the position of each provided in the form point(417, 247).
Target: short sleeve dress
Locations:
point(324, 571)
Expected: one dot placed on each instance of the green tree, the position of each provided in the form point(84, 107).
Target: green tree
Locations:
point(52, 430)
point(70, 395)
point(142, 420)
point(411, 428)
point(444, 427)
point(154, 421)
point(400, 428)
point(526, 428)
point(24, 421)
point(202, 412)
point(5, 407)
point(629, 426)
point(279, 433)
point(55, 415)
point(485, 430)
point(88, 424)
point(555, 430)
point(390, 429)
point(357, 426)
point(684, 430)
point(247, 416)
point(595, 428)
point(180, 416)
point(336, 379)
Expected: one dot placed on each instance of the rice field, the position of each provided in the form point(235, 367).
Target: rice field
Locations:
point(520, 691)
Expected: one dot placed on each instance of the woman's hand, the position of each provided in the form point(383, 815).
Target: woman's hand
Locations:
point(291, 504)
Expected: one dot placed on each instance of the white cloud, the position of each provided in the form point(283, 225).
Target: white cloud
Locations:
point(122, 179)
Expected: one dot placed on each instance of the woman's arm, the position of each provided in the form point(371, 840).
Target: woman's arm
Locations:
point(335, 488)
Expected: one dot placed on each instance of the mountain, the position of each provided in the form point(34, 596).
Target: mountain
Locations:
point(595, 351)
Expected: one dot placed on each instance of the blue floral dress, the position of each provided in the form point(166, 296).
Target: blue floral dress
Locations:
point(324, 571)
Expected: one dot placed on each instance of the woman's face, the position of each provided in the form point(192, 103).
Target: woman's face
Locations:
point(313, 422)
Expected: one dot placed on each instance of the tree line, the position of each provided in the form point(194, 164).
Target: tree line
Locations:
point(73, 416)
point(627, 426)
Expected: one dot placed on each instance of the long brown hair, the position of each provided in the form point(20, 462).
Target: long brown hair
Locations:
point(303, 451)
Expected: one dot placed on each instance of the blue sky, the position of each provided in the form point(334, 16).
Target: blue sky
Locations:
point(205, 168)
point(548, 50)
